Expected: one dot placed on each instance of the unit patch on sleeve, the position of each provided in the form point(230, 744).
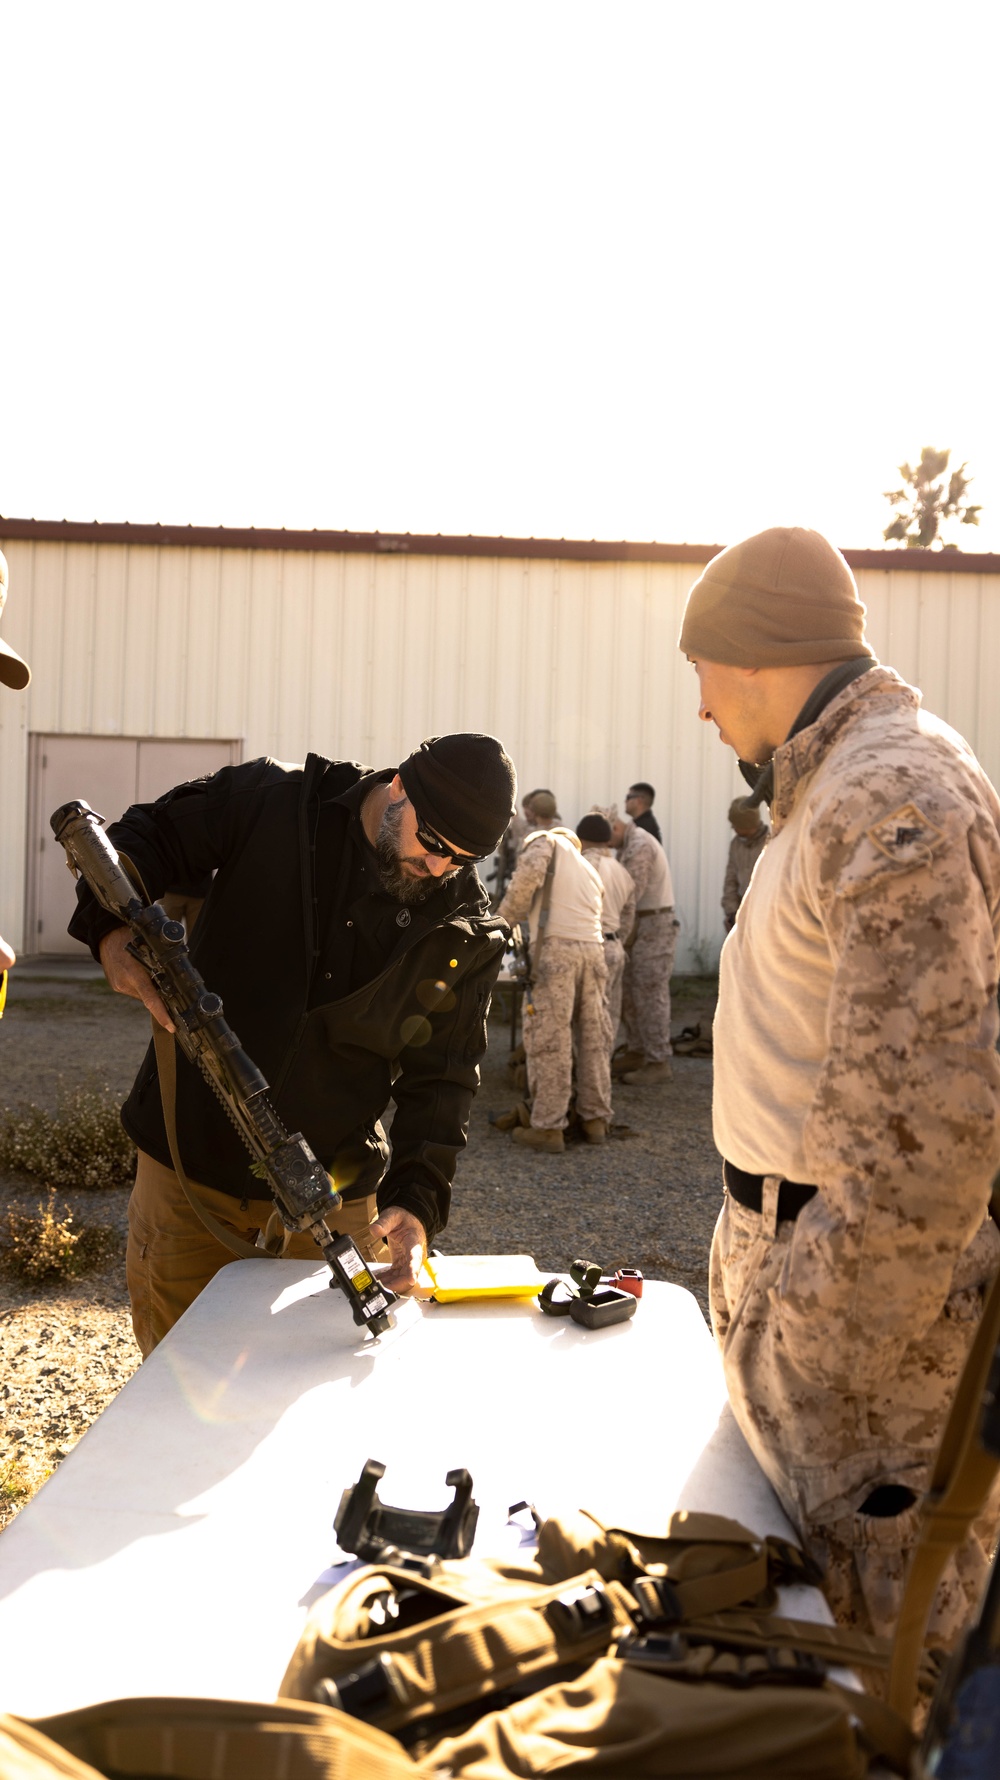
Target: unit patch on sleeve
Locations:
point(907, 837)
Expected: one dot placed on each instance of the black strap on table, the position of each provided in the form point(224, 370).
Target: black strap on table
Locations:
point(748, 1190)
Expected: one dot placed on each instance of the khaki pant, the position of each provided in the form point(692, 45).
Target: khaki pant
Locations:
point(566, 1013)
point(614, 958)
point(171, 1256)
point(646, 987)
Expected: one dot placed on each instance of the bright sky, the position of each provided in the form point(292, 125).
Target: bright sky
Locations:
point(631, 269)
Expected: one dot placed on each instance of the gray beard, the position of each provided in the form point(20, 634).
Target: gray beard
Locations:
point(395, 881)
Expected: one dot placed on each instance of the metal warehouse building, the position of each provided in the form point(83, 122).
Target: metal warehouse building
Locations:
point(160, 653)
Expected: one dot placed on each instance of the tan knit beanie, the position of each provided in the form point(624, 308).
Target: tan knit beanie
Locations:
point(782, 598)
point(745, 818)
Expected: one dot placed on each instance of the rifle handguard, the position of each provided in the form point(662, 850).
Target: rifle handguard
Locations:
point(297, 1181)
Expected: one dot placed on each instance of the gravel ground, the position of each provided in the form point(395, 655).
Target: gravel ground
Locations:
point(647, 1198)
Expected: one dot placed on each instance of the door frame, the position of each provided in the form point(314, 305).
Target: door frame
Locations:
point(38, 829)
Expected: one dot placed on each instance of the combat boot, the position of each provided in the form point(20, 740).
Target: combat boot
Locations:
point(650, 1075)
point(535, 1138)
point(627, 1061)
point(594, 1130)
point(507, 1121)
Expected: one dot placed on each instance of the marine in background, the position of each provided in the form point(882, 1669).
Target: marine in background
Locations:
point(649, 958)
point(559, 896)
point(750, 833)
point(639, 800)
point(618, 919)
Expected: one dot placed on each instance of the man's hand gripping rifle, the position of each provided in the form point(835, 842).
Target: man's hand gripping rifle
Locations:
point(300, 1186)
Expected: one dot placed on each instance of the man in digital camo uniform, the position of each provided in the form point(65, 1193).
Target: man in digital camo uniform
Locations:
point(618, 916)
point(566, 1009)
point(856, 1076)
point(650, 958)
point(750, 836)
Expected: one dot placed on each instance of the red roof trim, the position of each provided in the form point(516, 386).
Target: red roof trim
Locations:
point(204, 537)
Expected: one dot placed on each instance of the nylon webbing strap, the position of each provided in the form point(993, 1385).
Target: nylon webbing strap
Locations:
point(960, 1484)
point(720, 1584)
point(166, 1066)
point(722, 1588)
point(166, 1063)
point(884, 1732)
point(756, 1631)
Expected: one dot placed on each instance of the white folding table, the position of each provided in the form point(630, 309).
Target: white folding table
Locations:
point(178, 1547)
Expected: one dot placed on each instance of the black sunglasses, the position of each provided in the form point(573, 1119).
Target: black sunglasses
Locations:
point(432, 844)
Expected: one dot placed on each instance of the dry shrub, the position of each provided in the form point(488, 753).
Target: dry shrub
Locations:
point(39, 1246)
point(15, 1488)
point(83, 1144)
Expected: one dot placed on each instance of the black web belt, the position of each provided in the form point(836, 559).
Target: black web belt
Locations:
point(748, 1190)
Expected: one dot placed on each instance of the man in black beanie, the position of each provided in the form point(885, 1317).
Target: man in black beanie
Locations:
point(351, 940)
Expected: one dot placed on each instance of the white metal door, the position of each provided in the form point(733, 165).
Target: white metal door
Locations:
point(162, 763)
point(110, 773)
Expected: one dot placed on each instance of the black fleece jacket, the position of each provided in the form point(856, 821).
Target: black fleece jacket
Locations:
point(344, 997)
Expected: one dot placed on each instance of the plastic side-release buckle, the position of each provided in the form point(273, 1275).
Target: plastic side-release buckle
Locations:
point(657, 1600)
point(581, 1612)
point(788, 1564)
point(363, 1693)
point(726, 1664)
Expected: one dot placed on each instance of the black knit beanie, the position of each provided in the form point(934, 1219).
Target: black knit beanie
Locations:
point(596, 829)
point(463, 787)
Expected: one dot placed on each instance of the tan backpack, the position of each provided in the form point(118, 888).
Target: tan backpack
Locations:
point(415, 1648)
point(180, 1739)
point(612, 1651)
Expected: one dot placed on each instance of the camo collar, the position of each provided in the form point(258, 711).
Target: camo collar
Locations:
point(800, 756)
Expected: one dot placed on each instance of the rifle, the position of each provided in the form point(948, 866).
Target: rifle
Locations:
point(299, 1185)
point(520, 966)
point(525, 966)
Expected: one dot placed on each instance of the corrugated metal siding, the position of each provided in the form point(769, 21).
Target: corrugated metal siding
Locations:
point(573, 663)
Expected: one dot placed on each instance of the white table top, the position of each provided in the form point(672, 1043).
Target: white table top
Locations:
point(177, 1549)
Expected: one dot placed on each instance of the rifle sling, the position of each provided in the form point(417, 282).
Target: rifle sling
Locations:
point(166, 1066)
point(166, 1063)
point(956, 1495)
